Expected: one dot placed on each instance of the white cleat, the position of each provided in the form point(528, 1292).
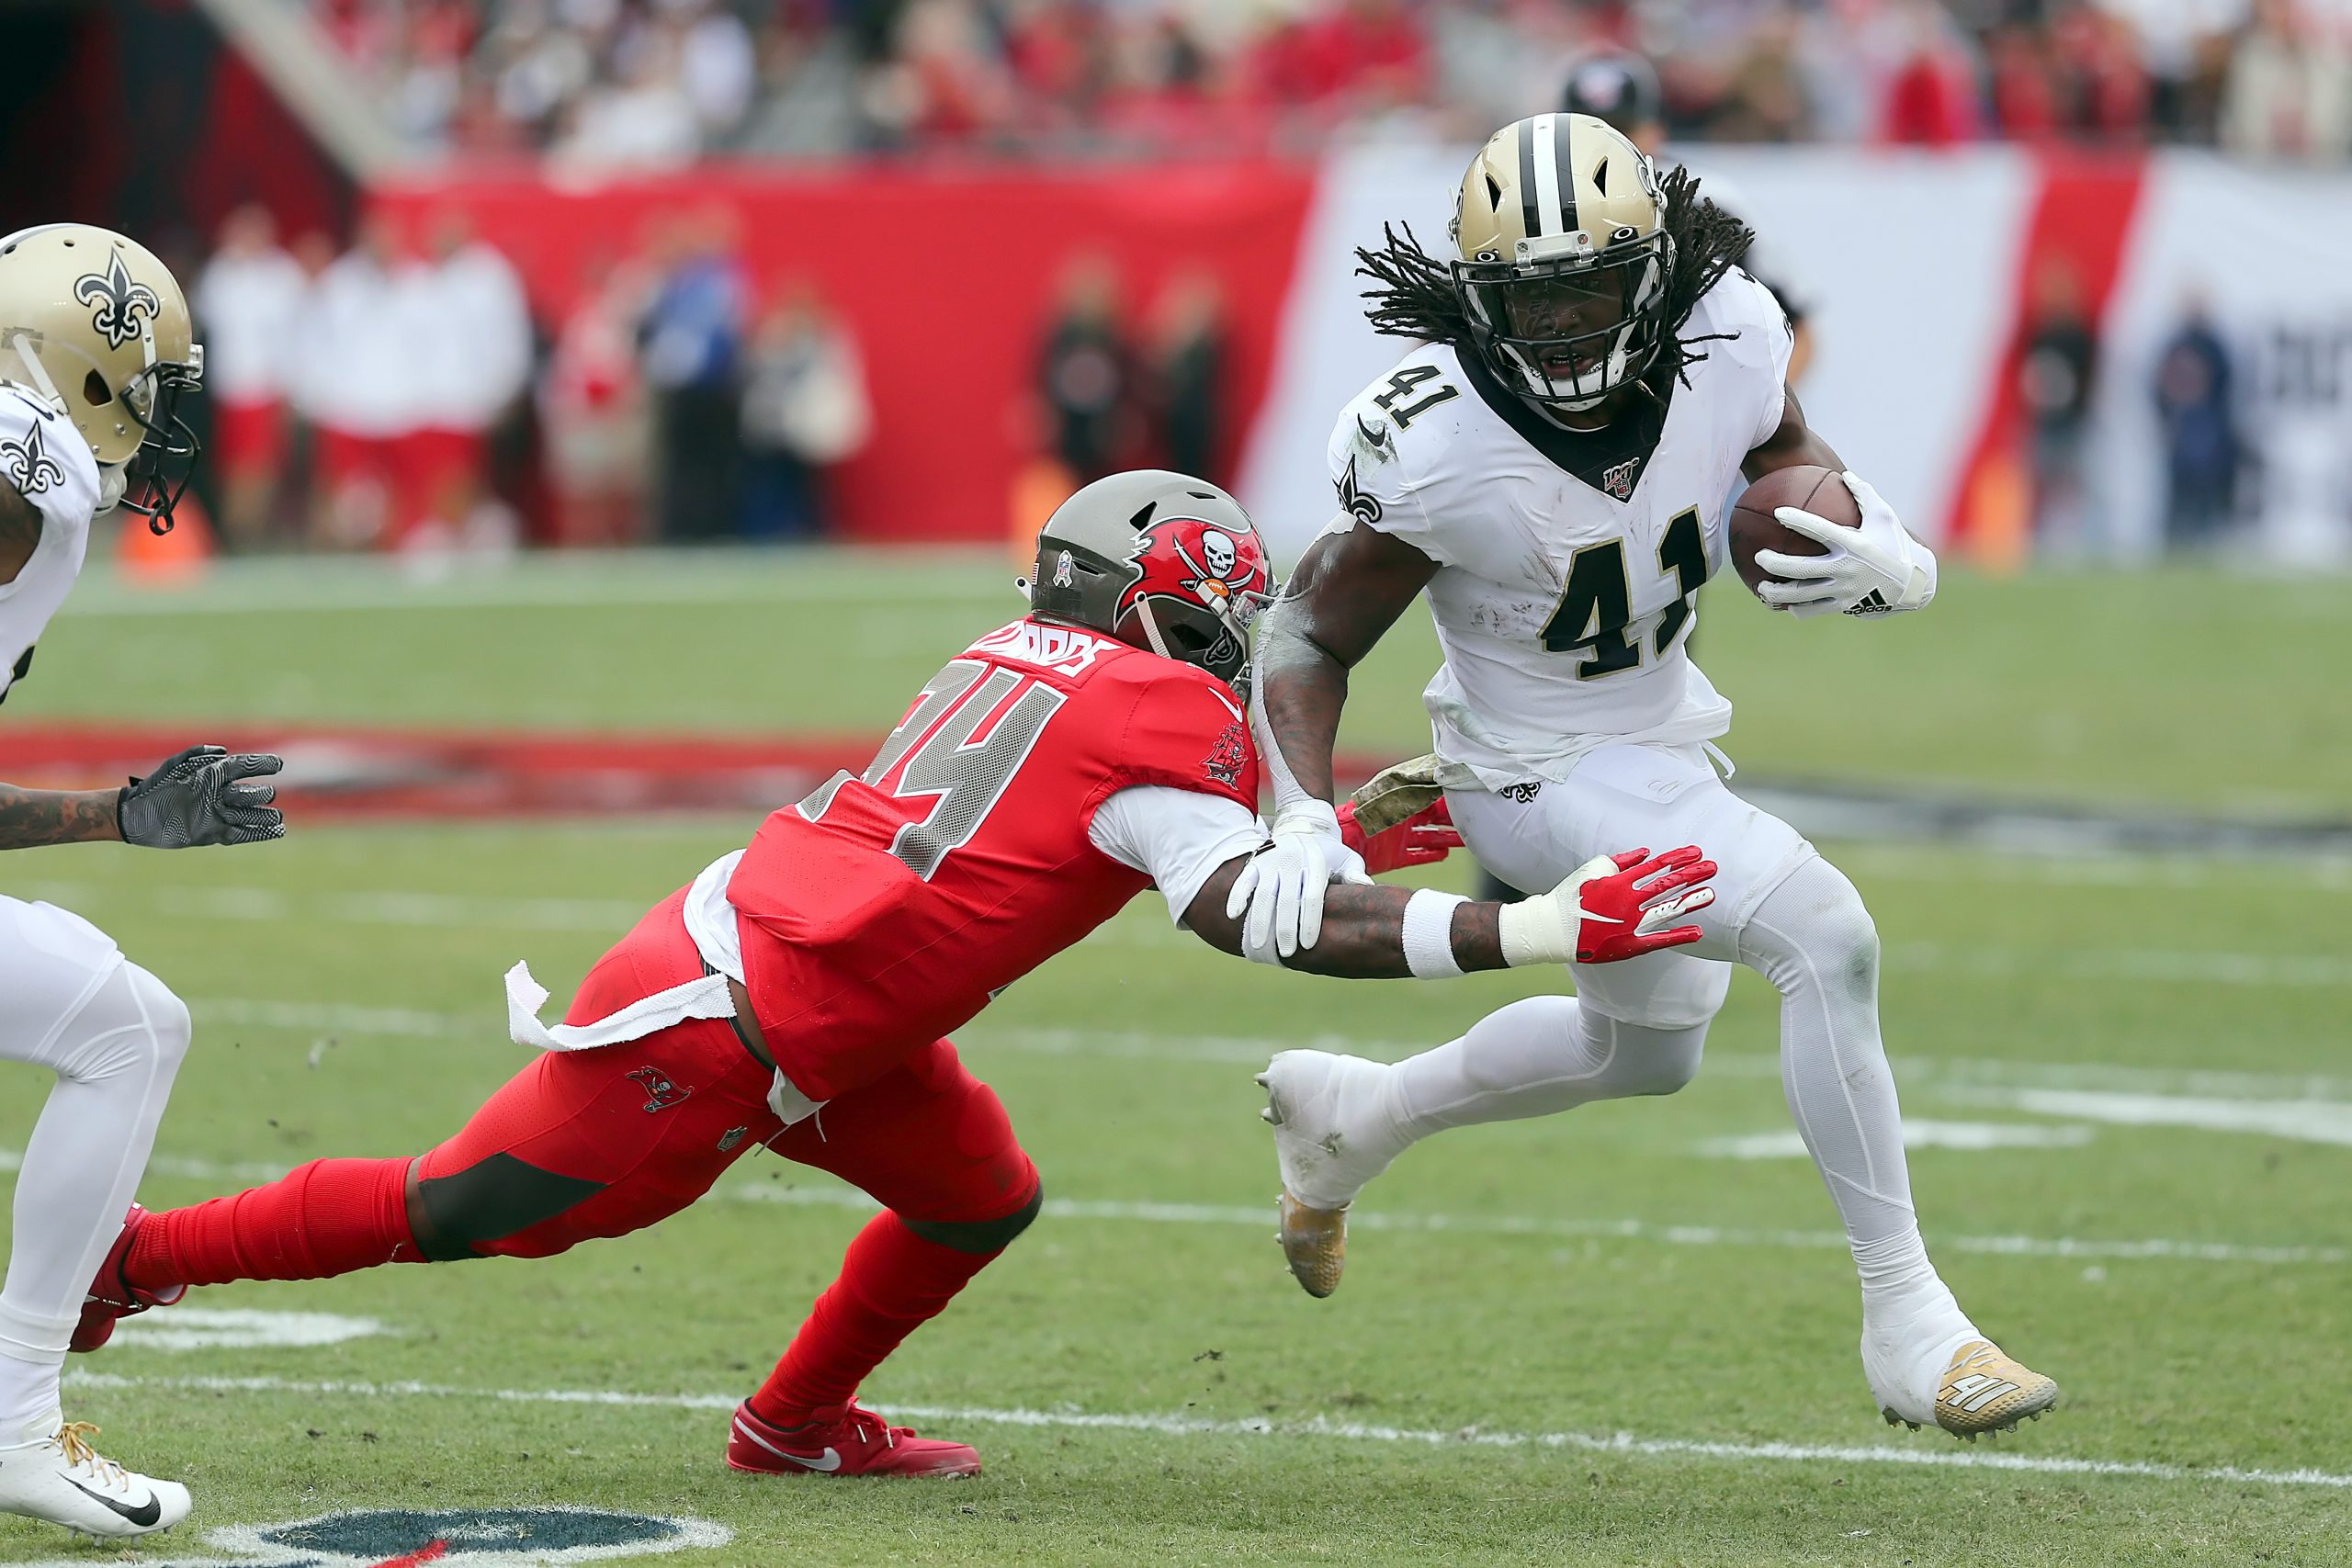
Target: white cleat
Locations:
point(1959, 1381)
point(1331, 1137)
point(63, 1479)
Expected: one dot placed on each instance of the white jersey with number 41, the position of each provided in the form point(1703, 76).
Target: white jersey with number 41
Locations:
point(1568, 563)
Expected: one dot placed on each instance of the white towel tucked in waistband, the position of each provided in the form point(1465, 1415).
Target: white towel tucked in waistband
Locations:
point(703, 998)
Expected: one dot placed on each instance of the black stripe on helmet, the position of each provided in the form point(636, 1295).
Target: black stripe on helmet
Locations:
point(1560, 140)
point(1531, 219)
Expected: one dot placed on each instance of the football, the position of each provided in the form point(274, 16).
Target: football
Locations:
point(1753, 527)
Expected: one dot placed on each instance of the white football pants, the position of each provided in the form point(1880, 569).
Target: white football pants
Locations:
point(115, 1036)
point(1639, 1027)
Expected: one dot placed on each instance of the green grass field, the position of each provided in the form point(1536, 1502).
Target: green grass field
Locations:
point(1605, 1339)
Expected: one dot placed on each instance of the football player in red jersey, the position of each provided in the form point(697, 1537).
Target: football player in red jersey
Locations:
point(795, 994)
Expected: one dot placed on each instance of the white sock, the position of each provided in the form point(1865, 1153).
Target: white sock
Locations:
point(1537, 1057)
point(115, 1060)
point(1813, 940)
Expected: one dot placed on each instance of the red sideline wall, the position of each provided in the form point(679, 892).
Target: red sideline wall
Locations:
point(946, 277)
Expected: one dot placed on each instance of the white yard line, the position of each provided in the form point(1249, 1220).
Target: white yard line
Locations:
point(1953, 1073)
point(1919, 1133)
point(264, 588)
point(1260, 1218)
point(1930, 1453)
point(229, 902)
point(380, 909)
point(1951, 862)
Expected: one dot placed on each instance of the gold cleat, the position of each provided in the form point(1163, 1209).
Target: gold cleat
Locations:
point(1315, 1245)
point(1985, 1391)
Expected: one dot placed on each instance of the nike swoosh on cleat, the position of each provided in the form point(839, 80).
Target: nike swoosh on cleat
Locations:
point(829, 1460)
point(146, 1514)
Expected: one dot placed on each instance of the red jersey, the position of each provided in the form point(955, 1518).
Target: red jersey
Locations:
point(884, 911)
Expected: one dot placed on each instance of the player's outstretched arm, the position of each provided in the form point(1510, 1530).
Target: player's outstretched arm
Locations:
point(1607, 909)
point(1877, 568)
point(1349, 589)
point(199, 796)
point(30, 818)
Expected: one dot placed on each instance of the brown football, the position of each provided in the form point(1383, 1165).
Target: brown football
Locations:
point(1753, 527)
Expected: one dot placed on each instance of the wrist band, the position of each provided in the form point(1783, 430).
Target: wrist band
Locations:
point(1536, 930)
point(1428, 934)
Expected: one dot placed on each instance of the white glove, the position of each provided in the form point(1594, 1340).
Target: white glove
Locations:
point(1875, 570)
point(1281, 888)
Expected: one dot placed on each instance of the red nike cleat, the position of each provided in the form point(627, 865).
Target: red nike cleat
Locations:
point(111, 1297)
point(842, 1440)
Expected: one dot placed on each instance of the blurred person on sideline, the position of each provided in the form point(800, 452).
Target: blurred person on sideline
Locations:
point(2287, 91)
point(472, 346)
point(805, 410)
point(248, 303)
point(1086, 373)
point(1621, 90)
point(691, 344)
point(359, 392)
point(2192, 391)
point(718, 66)
point(1190, 365)
point(641, 118)
point(2057, 373)
point(592, 408)
point(1931, 96)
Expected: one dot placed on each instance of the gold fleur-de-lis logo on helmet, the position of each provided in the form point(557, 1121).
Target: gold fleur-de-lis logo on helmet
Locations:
point(28, 465)
point(120, 300)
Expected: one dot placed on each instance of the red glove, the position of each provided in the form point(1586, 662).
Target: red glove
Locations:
point(1626, 912)
point(1423, 838)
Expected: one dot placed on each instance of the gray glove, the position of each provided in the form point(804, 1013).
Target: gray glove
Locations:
point(195, 798)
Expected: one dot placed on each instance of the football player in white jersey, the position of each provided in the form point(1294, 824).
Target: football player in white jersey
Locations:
point(94, 347)
point(1552, 467)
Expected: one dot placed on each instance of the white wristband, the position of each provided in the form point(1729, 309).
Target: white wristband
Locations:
point(1428, 934)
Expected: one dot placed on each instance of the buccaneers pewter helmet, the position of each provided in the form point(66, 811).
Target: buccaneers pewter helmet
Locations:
point(1159, 560)
point(92, 324)
point(1563, 259)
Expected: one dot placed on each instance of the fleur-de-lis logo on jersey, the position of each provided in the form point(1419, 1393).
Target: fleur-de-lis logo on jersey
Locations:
point(28, 465)
point(120, 302)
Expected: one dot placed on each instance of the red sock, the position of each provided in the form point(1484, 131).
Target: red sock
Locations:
point(892, 1282)
point(328, 1217)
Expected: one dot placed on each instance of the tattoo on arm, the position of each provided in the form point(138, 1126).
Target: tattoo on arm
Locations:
point(1347, 590)
point(1364, 930)
point(1790, 445)
point(21, 525)
point(30, 818)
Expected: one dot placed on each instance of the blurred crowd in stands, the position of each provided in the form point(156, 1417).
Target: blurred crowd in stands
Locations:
point(402, 396)
point(399, 395)
point(620, 82)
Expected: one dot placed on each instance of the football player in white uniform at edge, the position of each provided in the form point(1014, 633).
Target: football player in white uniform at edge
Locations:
point(1552, 469)
point(94, 347)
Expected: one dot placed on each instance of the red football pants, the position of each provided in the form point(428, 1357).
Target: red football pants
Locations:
point(604, 1142)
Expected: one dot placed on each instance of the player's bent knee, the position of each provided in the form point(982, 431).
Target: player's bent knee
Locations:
point(1650, 1060)
point(980, 1236)
point(1814, 928)
point(170, 1029)
point(131, 1028)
